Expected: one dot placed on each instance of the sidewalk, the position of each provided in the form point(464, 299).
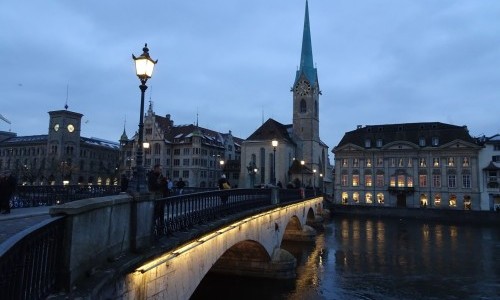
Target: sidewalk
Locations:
point(20, 219)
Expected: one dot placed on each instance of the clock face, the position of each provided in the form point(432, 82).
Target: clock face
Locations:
point(71, 128)
point(303, 88)
point(56, 127)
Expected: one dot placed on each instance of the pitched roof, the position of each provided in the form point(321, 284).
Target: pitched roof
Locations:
point(271, 129)
point(409, 132)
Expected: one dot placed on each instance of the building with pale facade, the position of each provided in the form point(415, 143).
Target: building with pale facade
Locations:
point(425, 165)
point(489, 172)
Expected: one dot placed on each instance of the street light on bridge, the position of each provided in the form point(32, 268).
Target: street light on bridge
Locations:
point(144, 66)
point(274, 143)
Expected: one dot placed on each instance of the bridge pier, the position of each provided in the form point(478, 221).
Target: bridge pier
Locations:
point(306, 234)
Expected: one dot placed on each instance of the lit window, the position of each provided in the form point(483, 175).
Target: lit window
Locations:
point(401, 180)
point(368, 198)
point(452, 181)
point(423, 200)
point(355, 197)
point(465, 162)
point(467, 202)
point(345, 197)
point(355, 180)
point(368, 162)
point(380, 198)
point(437, 200)
point(451, 162)
point(409, 181)
point(344, 163)
point(422, 180)
point(453, 201)
point(435, 162)
point(422, 163)
point(393, 181)
point(368, 180)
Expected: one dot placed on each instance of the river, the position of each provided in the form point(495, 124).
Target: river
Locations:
point(372, 258)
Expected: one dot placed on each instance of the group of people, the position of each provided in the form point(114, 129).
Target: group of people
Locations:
point(163, 186)
point(8, 185)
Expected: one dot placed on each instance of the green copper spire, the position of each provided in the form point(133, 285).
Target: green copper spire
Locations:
point(306, 57)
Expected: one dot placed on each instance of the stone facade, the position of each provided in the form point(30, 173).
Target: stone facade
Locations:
point(489, 173)
point(433, 165)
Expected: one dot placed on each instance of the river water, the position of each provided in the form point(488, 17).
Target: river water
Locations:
point(372, 258)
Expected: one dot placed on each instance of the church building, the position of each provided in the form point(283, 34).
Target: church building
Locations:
point(291, 154)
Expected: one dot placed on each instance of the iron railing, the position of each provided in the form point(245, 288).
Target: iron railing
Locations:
point(30, 261)
point(41, 195)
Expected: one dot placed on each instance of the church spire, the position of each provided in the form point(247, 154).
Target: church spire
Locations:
point(306, 57)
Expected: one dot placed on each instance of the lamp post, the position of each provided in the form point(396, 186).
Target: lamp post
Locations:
point(321, 182)
point(314, 181)
point(221, 162)
point(302, 163)
point(144, 66)
point(274, 143)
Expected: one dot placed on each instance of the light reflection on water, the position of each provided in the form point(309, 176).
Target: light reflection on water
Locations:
point(364, 258)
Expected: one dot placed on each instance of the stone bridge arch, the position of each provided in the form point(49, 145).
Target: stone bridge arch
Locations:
point(250, 246)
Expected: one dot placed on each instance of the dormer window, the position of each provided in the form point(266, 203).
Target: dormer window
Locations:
point(421, 142)
point(379, 143)
point(368, 143)
point(435, 141)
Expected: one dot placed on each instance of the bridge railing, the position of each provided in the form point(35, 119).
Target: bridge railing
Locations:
point(183, 212)
point(31, 261)
point(47, 195)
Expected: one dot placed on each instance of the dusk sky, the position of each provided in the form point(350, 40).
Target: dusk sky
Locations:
point(232, 63)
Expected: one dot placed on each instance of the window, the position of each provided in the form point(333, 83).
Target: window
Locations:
point(345, 164)
point(422, 163)
point(177, 162)
point(423, 200)
point(368, 162)
point(452, 181)
point(435, 141)
point(355, 162)
point(379, 143)
point(149, 130)
point(436, 181)
point(422, 180)
point(453, 201)
point(368, 143)
point(368, 198)
point(186, 151)
point(393, 162)
point(380, 180)
point(345, 197)
point(185, 162)
point(175, 174)
point(451, 162)
point(344, 180)
point(380, 198)
point(380, 162)
point(157, 148)
point(465, 162)
point(185, 173)
point(355, 180)
point(409, 181)
point(437, 200)
point(421, 142)
point(410, 164)
point(393, 181)
point(467, 202)
point(435, 162)
point(303, 106)
point(401, 162)
point(368, 180)
point(401, 181)
point(355, 197)
point(466, 181)
point(177, 151)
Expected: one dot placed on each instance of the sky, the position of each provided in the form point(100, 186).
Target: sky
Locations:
point(229, 65)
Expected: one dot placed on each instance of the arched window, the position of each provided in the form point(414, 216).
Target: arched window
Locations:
point(303, 106)
point(316, 109)
point(345, 197)
point(368, 198)
point(380, 198)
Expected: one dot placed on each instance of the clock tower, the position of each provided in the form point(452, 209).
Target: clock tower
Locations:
point(306, 94)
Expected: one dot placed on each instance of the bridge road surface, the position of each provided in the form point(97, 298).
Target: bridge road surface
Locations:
point(20, 219)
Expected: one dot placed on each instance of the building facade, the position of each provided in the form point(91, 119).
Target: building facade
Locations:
point(489, 175)
point(262, 163)
point(197, 155)
point(408, 165)
point(62, 156)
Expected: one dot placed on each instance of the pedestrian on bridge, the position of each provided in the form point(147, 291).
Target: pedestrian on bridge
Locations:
point(8, 185)
point(224, 185)
point(156, 182)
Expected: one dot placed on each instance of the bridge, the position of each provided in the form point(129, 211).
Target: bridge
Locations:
point(137, 247)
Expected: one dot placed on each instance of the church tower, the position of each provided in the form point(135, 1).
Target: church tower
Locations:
point(306, 94)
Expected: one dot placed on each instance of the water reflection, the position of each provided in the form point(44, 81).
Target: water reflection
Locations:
point(364, 258)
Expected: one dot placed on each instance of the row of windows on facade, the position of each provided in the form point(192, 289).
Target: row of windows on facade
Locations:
point(405, 181)
point(421, 142)
point(405, 162)
point(34, 164)
point(424, 200)
point(148, 162)
point(53, 150)
point(187, 151)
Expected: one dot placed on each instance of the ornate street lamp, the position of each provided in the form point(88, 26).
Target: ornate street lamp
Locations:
point(314, 181)
point(274, 143)
point(144, 66)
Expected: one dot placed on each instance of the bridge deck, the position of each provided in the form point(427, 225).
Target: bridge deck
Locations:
point(20, 219)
